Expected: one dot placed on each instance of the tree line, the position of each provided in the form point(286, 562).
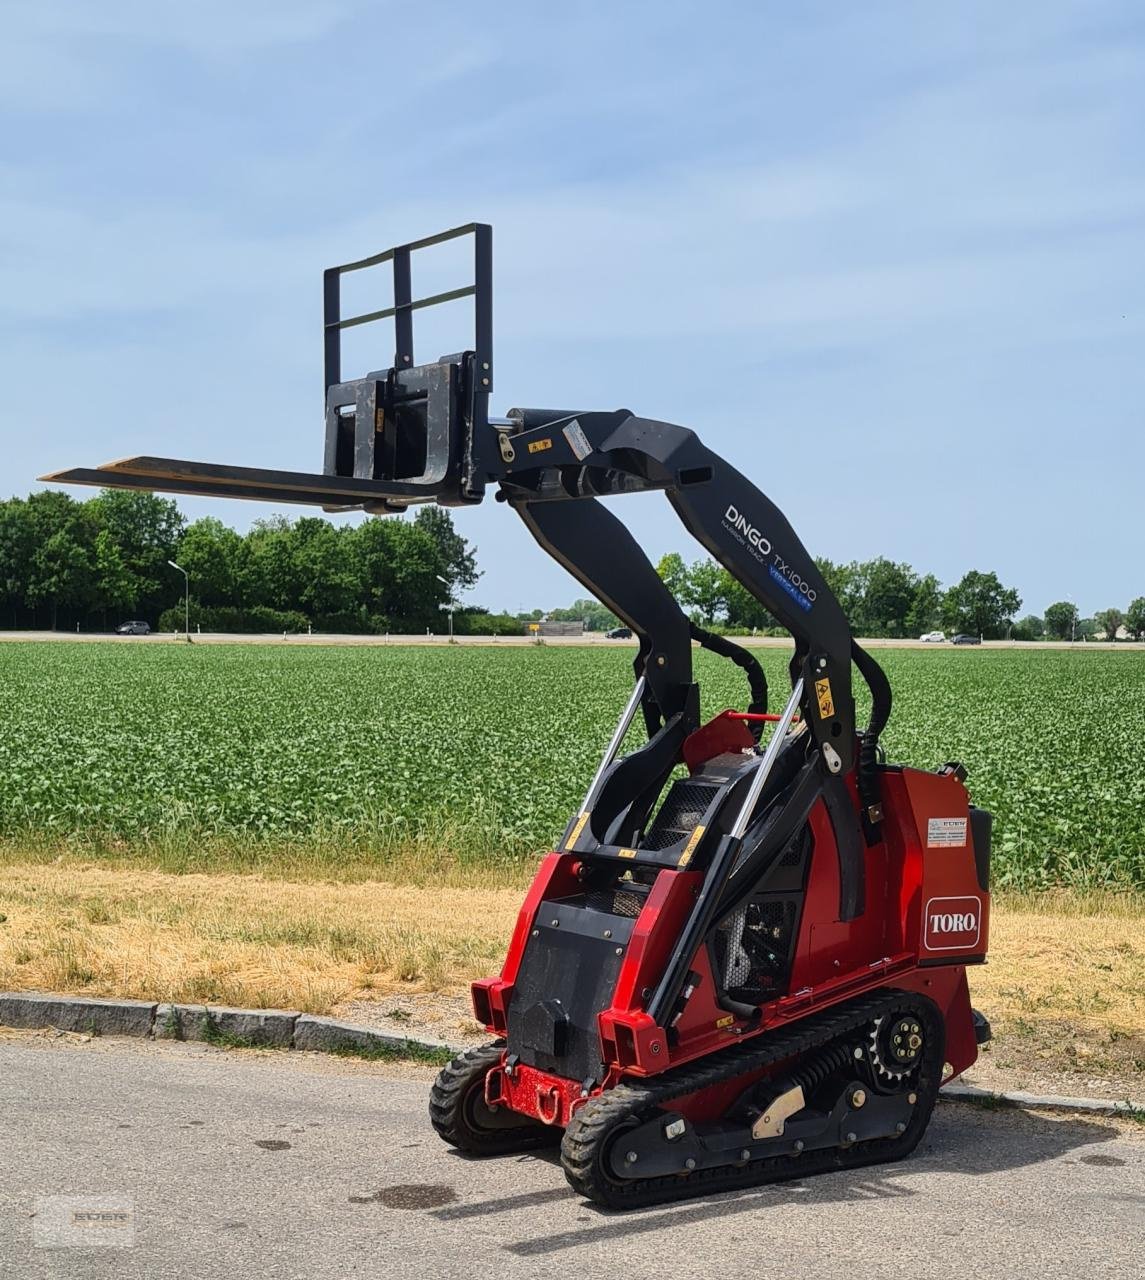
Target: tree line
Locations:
point(65, 563)
point(882, 598)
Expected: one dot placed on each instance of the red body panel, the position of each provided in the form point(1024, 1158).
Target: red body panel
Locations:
point(925, 915)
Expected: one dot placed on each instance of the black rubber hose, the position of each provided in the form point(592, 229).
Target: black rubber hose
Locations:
point(868, 771)
point(747, 662)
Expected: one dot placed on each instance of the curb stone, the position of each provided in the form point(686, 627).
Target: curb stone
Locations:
point(283, 1029)
point(69, 1013)
point(267, 1028)
point(1038, 1101)
point(328, 1035)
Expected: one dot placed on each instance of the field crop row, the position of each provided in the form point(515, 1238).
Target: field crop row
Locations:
point(492, 748)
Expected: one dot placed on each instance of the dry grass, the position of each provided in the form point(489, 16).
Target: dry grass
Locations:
point(244, 940)
point(258, 941)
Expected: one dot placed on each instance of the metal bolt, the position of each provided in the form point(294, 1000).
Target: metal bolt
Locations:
point(766, 1119)
point(661, 660)
point(852, 1137)
point(631, 1157)
point(858, 1053)
point(608, 933)
point(484, 382)
point(619, 951)
point(900, 1127)
point(556, 924)
point(536, 932)
point(689, 1163)
point(745, 1154)
point(485, 364)
point(655, 1046)
point(912, 1098)
point(859, 1098)
point(797, 1145)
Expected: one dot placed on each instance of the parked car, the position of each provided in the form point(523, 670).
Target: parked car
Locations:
point(962, 638)
point(619, 633)
point(133, 629)
point(933, 637)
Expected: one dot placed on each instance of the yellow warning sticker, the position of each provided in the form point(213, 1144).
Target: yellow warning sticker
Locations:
point(826, 702)
point(539, 446)
point(574, 835)
point(725, 1022)
point(627, 853)
point(690, 848)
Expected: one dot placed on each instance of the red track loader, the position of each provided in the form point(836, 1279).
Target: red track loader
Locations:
point(745, 959)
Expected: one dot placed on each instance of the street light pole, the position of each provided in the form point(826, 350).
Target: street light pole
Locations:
point(449, 588)
point(186, 598)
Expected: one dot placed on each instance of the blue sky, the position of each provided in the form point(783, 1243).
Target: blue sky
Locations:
point(888, 258)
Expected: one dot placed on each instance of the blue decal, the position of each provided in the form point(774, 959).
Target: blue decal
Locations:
point(793, 591)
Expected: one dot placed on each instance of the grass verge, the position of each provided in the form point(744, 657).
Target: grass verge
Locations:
point(1064, 989)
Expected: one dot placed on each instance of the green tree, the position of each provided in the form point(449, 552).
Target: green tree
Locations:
point(886, 596)
point(708, 589)
point(17, 546)
point(1030, 627)
point(1109, 621)
point(925, 610)
point(399, 563)
point(146, 529)
point(459, 560)
point(1061, 620)
point(1135, 618)
point(213, 556)
point(327, 572)
point(61, 574)
point(674, 574)
point(115, 586)
point(980, 605)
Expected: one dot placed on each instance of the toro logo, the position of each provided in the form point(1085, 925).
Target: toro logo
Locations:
point(952, 924)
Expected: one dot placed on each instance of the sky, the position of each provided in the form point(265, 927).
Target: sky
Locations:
point(888, 259)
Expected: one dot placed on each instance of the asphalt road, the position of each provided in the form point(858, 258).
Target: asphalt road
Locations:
point(289, 1165)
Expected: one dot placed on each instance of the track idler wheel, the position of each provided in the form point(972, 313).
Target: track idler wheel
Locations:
point(461, 1116)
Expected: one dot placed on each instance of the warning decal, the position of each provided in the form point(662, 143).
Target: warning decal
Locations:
point(826, 702)
point(690, 847)
point(578, 441)
point(949, 832)
point(574, 835)
point(539, 446)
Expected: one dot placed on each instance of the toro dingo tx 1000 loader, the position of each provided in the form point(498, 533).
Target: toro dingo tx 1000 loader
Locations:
point(745, 960)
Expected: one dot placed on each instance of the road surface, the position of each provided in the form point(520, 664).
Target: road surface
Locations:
point(244, 1165)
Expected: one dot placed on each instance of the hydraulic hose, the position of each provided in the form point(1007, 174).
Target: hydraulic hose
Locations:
point(868, 769)
point(747, 662)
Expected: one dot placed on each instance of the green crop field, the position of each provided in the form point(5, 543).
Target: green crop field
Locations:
point(489, 749)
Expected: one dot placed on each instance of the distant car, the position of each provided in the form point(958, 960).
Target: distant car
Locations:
point(133, 629)
point(965, 639)
point(619, 633)
point(933, 637)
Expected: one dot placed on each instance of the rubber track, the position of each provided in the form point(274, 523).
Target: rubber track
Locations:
point(447, 1111)
point(587, 1134)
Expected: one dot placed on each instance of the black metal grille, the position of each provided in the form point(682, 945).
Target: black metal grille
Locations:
point(753, 947)
point(683, 809)
point(617, 902)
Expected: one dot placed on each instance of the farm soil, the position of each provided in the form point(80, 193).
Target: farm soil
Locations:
point(1064, 989)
